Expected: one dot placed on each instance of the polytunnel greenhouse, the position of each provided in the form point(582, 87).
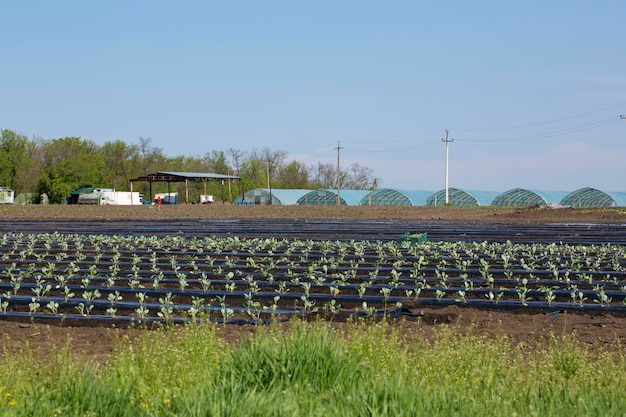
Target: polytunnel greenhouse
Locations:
point(591, 197)
point(325, 197)
point(395, 197)
point(459, 197)
point(279, 196)
point(520, 197)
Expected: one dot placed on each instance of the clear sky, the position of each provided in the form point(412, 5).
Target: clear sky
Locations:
point(530, 91)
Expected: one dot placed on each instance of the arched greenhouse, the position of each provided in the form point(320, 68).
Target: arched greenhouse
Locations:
point(591, 197)
point(395, 197)
point(520, 197)
point(459, 197)
point(279, 196)
point(324, 197)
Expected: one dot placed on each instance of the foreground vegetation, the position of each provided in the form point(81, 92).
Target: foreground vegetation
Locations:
point(313, 369)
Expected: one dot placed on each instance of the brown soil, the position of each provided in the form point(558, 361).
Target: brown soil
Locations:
point(597, 331)
point(182, 211)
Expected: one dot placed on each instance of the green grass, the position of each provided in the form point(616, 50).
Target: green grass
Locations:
point(313, 369)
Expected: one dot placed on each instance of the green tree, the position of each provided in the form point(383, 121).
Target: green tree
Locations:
point(253, 174)
point(68, 164)
point(121, 163)
point(293, 175)
point(15, 160)
point(216, 163)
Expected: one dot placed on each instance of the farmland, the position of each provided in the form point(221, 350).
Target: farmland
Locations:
point(101, 276)
point(254, 263)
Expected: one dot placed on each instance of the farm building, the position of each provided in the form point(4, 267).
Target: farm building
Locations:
point(324, 197)
point(184, 177)
point(395, 197)
point(7, 195)
point(520, 197)
point(279, 196)
point(591, 197)
point(459, 197)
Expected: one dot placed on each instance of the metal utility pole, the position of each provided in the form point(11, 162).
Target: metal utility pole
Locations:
point(447, 142)
point(339, 148)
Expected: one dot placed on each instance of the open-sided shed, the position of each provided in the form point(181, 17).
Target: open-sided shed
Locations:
point(186, 177)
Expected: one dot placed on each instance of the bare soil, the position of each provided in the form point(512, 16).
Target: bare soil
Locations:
point(88, 343)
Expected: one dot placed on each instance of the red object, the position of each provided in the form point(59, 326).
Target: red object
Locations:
point(159, 200)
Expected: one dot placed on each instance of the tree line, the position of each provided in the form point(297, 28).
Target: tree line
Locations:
point(56, 167)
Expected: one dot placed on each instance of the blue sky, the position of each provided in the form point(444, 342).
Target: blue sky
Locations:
point(531, 92)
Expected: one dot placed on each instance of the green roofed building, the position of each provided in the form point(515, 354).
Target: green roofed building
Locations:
point(459, 197)
point(329, 197)
point(282, 197)
point(520, 197)
point(395, 197)
point(591, 197)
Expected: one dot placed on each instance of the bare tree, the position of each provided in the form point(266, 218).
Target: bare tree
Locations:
point(150, 155)
point(273, 160)
point(324, 175)
point(360, 178)
point(237, 158)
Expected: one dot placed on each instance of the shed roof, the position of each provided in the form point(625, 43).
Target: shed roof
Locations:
point(182, 176)
point(592, 197)
point(519, 197)
point(395, 197)
point(84, 190)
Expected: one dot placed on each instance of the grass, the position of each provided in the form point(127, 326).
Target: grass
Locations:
point(314, 369)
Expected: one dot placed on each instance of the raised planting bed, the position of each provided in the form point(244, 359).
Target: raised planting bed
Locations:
point(143, 278)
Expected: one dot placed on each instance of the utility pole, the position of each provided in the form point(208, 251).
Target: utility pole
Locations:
point(339, 148)
point(447, 142)
point(269, 181)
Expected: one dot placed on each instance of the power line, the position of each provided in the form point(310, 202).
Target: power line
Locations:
point(545, 122)
point(398, 140)
point(537, 136)
point(551, 134)
point(423, 145)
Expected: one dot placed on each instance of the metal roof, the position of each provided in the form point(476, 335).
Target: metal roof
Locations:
point(519, 197)
point(85, 190)
point(395, 197)
point(324, 197)
point(591, 197)
point(279, 196)
point(182, 176)
point(459, 197)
